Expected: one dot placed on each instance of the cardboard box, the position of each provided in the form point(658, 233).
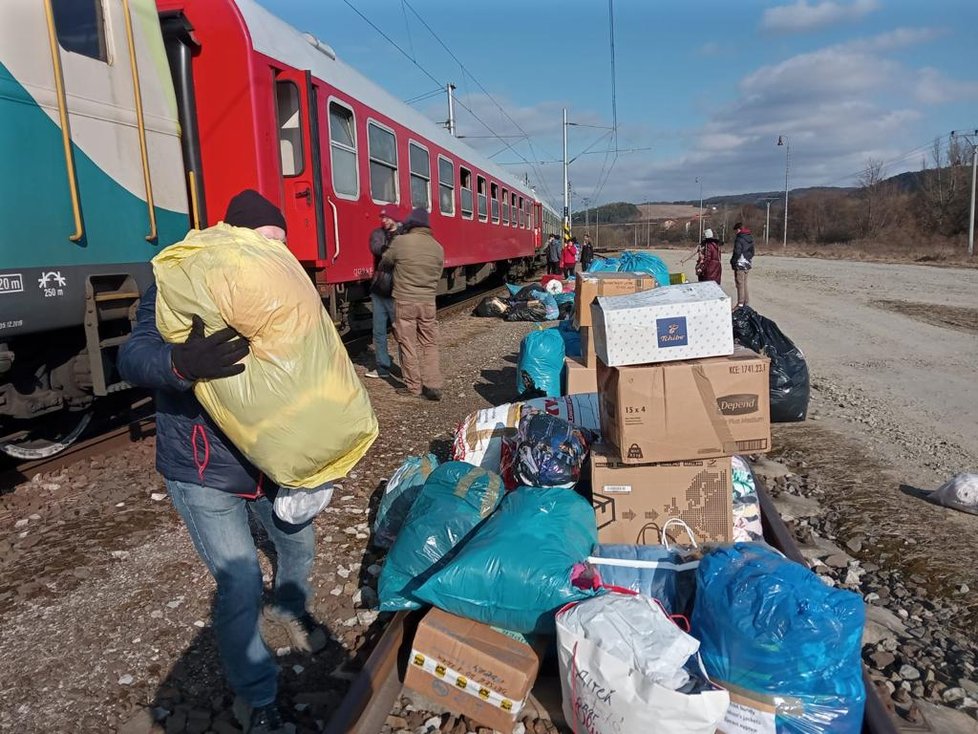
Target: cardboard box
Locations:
point(588, 355)
point(579, 378)
point(631, 503)
point(589, 286)
point(684, 411)
point(663, 325)
point(471, 669)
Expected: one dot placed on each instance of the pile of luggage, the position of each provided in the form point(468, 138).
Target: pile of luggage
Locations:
point(615, 534)
point(528, 303)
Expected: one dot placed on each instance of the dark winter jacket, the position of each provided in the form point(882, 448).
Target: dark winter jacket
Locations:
point(708, 265)
point(553, 250)
point(189, 446)
point(383, 280)
point(587, 255)
point(743, 248)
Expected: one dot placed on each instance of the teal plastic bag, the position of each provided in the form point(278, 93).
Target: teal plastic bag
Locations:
point(539, 367)
point(401, 491)
point(515, 570)
point(571, 337)
point(453, 501)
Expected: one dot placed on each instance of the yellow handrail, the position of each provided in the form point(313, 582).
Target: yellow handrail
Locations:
point(194, 198)
point(140, 122)
point(59, 86)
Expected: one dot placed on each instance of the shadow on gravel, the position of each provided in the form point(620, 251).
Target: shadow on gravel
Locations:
point(498, 386)
point(916, 492)
point(195, 696)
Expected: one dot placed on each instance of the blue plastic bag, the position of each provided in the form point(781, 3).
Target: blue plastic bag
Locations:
point(553, 310)
point(770, 626)
point(401, 491)
point(515, 570)
point(570, 335)
point(540, 363)
point(665, 574)
point(633, 262)
point(453, 501)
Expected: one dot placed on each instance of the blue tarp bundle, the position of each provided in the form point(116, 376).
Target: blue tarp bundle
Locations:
point(634, 262)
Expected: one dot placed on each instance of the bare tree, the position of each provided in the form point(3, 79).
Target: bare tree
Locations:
point(877, 195)
point(942, 189)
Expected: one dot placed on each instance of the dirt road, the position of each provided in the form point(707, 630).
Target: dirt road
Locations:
point(893, 352)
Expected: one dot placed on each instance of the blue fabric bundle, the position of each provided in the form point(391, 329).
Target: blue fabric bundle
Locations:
point(662, 573)
point(634, 262)
point(770, 626)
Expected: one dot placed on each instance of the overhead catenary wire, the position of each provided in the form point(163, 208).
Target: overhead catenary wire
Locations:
point(435, 79)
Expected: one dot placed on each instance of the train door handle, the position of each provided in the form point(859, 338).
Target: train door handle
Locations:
point(304, 194)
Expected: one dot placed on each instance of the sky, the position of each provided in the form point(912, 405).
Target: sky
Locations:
point(703, 88)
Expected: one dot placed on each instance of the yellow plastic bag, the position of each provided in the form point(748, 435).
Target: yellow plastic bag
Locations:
point(298, 412)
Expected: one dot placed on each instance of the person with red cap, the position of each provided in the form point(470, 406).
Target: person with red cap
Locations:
point(216, 490)
point(381, 287)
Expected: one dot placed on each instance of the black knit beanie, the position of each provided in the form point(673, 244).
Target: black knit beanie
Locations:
point(252, 210)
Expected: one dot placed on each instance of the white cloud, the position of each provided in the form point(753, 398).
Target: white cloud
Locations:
point(802, 16)
point(898, 38)
point(933, 87)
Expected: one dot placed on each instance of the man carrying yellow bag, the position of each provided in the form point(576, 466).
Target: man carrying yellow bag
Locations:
point(254, 391)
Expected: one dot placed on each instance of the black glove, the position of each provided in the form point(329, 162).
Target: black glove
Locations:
point(209, 357)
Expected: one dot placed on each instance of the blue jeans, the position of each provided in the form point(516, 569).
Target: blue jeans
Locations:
point(383, 315)
point(220, 530)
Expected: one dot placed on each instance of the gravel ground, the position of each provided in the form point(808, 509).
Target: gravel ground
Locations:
point(105, 607)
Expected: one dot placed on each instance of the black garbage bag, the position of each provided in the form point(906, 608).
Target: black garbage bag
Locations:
point(491, 306)
point(566, 310)
point(789, 371)
point(526, 311)
point(528, 293)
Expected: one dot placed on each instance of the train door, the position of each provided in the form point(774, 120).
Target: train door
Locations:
point(302, 183)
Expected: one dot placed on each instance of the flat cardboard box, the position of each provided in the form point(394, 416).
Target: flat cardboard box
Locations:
point(580, 378)
point(588, 355)
point(589, 286)
point(685, 411)
point(471, 669)
point(631, 503)
point(668, 324)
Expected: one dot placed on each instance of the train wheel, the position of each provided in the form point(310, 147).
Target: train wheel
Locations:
point(46, 437)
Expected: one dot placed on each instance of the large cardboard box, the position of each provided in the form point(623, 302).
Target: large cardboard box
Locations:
point(666, 324)
point(471, 669)
point(580, 378)
point(588, 355)
point(589, 286)
point(683, 411)
point(631, 503)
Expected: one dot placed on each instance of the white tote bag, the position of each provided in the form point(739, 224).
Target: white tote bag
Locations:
point(603, 693)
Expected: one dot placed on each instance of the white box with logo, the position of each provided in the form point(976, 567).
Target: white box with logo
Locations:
point(676, 322)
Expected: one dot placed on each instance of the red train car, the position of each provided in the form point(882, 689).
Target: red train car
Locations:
point(267, 107)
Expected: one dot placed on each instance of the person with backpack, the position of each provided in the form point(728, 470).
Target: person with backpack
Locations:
point(741, 261)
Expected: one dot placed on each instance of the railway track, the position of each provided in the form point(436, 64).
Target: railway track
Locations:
point(114, 437)
point(376, 688)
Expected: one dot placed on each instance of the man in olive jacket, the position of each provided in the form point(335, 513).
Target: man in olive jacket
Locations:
point(417, 260)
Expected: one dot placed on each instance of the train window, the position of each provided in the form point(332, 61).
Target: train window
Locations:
point(382, 149)
point(80, 27)
point(522, 214)
point(516, 217)
point(420, 176)
point(343, 150)
point(446, 187)
point(483, 199)
point(465, 185)
point(494, 191)
point(505, 206)
point(289, 127)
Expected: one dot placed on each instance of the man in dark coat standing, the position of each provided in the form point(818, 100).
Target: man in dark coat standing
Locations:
point(381, 287)
point(741, 261)
point(215, 489)
point(553, 255)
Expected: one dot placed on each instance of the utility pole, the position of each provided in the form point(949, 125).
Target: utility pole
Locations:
point(566, 184)
point(701, 207)
point(450, 88)
point(971, 219)
point(783, 140)
point(767, 225)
